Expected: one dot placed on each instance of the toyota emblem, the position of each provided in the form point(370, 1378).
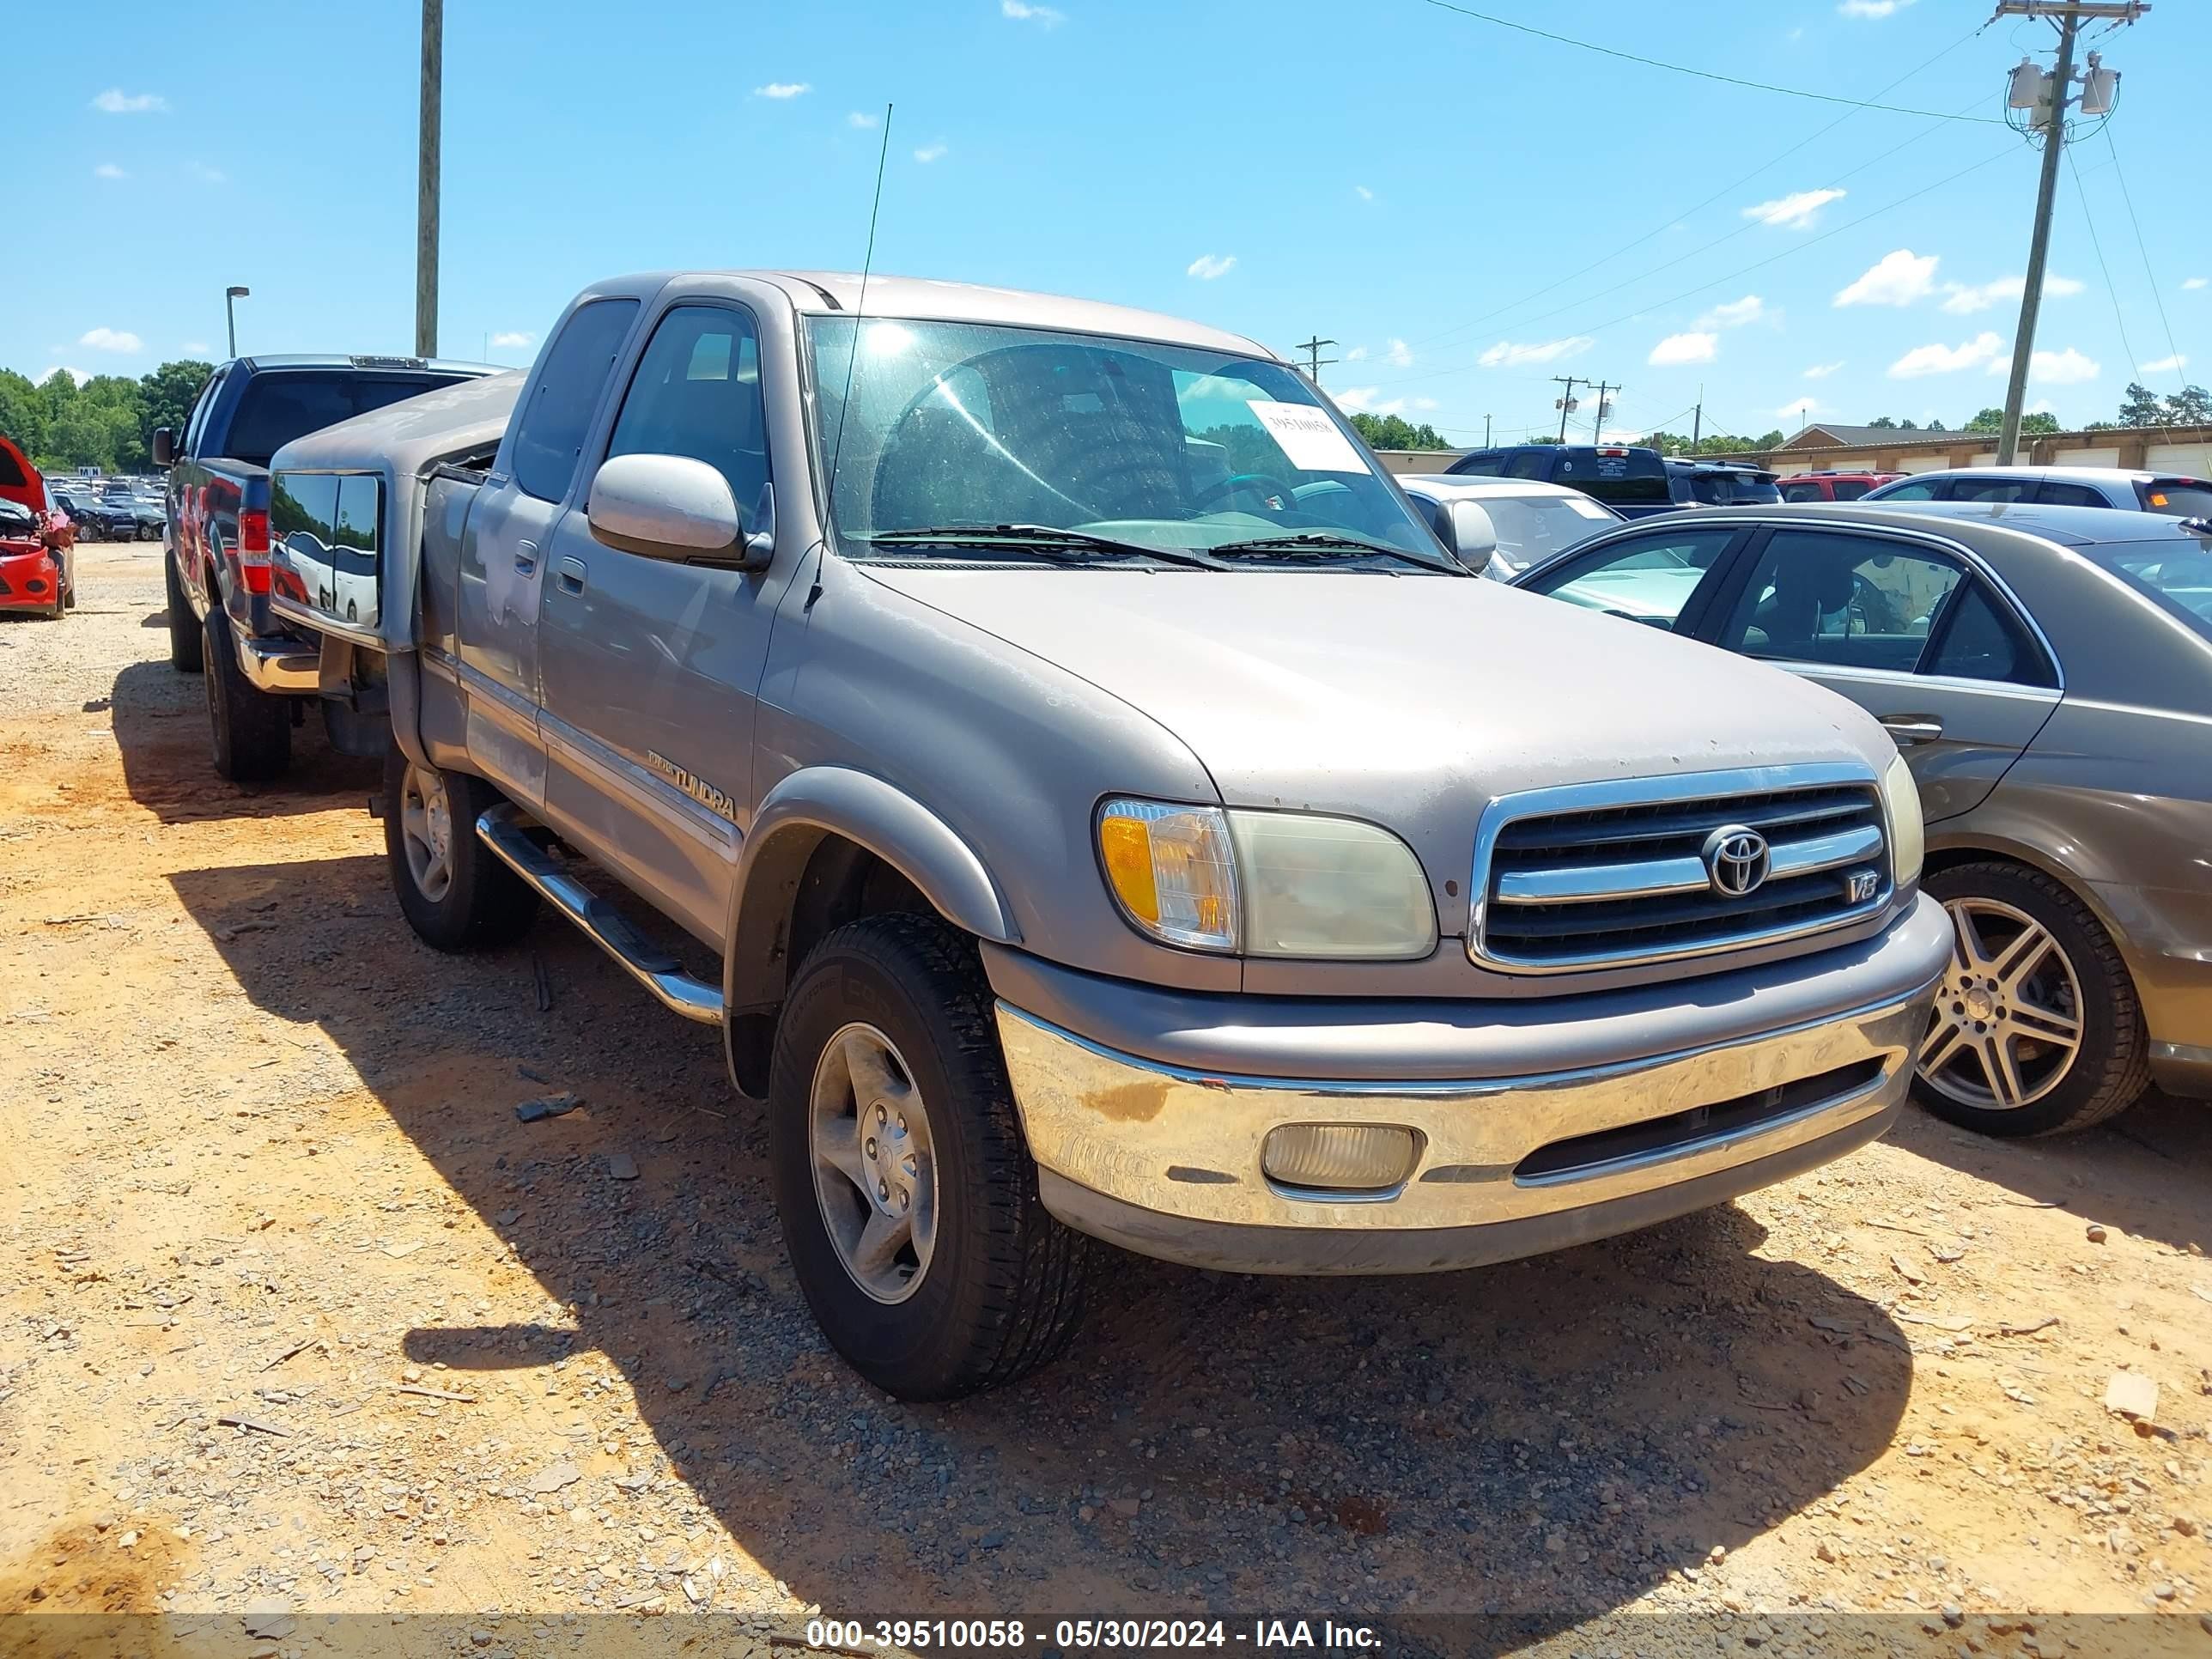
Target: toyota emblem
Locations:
point(1737, 860)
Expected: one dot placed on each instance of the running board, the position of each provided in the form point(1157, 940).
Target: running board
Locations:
point(506, 831)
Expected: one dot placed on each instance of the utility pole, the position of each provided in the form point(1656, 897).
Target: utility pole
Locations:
point(426, 182)
point(1486, 432)
point(1698, 418)
point(2070, 16)
point(1597, 427)
point(1564, 403)
point(1315, 362)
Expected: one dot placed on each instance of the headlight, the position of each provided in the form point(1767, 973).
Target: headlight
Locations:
point(1908, 833)
point(1268, 884)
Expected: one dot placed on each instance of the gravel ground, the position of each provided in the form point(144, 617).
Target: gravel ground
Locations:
point(293, 1312)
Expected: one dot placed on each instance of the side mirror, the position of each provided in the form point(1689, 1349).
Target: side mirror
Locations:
point(667, 506)
point(165, 446)
point(1474, 537)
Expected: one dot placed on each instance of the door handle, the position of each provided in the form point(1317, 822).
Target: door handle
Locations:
point(1905, 730)
point(526, 557)
point(571, 573)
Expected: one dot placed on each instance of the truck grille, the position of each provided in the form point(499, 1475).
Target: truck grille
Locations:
point(1610, 874)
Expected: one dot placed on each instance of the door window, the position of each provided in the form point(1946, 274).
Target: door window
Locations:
point(1920, 490)
point(549, 433)
point(1648, 579)
point(1849, 490)
point(2068, 495)
point(1803, 492)
point(697, 392)
point(1976, 639)
point(1526, 464)
point(1993, 490)
point(1847, 600)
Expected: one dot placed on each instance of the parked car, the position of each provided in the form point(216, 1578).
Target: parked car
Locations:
point(146, 517)
point(1719, 483)
point(2174, 495)
point(1500, 526)
point(100, 517)
point(216, 559)
point(1629, 478)
point(1071, 749)
point(36, 568)
point(1828, 485)
point(2048, 674)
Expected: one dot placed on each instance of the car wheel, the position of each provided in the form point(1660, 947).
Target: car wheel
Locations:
point(249, 730)
point(185, 655)
point(455, 891)
point(906, 1196)
point(2036, 1029)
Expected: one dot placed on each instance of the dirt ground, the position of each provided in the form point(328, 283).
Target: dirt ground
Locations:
point(295, 1314)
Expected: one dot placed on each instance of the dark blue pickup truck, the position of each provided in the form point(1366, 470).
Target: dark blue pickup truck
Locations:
point(215, 551)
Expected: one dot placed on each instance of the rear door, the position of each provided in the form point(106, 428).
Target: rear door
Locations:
point(1912, 630)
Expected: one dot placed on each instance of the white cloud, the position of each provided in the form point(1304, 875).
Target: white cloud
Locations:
point(936, 152)
point(1425, 404)
point(1399, 355)
point(1209, 266)
point(513, 339)
point(1361, 400)
point(2190, 283)
point(1822, 371)
point(1964, 299)
point(206, 174)
point(1798, 210)
point(1984, 348)
point(2167, 365)
point(116, 102)
point(1363, 193)
point(2067, 367)
point(1026, 13)
point(1509, 353)
point(781, 89)
point(110, 339)
point(79, 375)
point(860, 118)
point(195, 348)
point(1677, 349)
point(1358, 353)
point(1804, 410)
point(1737, 312)
point(1871, 8)
point(1896, 279)
point(109, 170)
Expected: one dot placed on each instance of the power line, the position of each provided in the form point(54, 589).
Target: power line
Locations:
point(2180, 372)
point(1702, 75)
point(2110, 293)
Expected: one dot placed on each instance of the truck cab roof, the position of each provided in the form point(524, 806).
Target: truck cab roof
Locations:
point(261, 361)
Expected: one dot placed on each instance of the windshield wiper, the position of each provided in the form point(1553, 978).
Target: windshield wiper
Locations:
point(1332, 540)
point(1035, 538)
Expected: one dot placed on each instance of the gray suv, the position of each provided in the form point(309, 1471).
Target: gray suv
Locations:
point(1108, 811)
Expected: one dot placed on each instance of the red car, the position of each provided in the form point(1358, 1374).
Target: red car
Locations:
point(1831, 486)
point(35, 561)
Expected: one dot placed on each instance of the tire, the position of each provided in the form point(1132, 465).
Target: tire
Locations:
point(185, 655)
point(1001, 1286)
point(249, 731)
point(2079, 972)
point(480, 904)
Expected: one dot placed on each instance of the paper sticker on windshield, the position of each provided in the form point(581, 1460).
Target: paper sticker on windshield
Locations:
point(1308, 436)
point(1587, 508)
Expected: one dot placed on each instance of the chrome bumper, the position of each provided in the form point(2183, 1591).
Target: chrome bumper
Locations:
point(281, 667)
point(1167, 1161)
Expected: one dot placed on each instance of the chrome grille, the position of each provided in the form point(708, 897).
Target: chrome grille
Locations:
point(1609, 874)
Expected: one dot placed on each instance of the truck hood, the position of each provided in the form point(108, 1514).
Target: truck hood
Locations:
point(1409, 701)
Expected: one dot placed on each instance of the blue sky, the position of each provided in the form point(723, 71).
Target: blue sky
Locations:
point(1450, 201)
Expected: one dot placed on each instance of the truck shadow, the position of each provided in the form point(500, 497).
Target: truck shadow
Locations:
point(1541, 1441)
point(160, 725)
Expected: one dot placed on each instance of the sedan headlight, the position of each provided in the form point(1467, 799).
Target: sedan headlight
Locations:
point(1908, 832)
point(1266, 883)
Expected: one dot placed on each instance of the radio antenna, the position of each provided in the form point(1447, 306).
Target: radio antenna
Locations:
point(860, 309)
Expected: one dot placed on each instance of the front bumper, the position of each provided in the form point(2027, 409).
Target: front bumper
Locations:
point(1165, 1159)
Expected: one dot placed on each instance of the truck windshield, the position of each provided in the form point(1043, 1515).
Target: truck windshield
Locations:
point(978, 425)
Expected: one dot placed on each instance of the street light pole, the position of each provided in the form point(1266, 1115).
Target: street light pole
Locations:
point(426, 183)
point(2038, 246)
point(231, 296)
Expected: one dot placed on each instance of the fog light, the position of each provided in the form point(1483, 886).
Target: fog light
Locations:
point(1339, 1157)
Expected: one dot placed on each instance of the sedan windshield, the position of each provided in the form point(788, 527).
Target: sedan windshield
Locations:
point(965, 426)
point(2176, 574)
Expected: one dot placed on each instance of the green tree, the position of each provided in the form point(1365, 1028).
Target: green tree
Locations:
point(2190, 406)
point(1887, 422)
point(2140, 406)
point(1990, 420)
point(1935, 426)
point(1908, 426)
point(169, 393)
point(22, 412)
point(1393, 432)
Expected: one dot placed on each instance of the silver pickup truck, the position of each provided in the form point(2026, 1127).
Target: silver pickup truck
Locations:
point(1115, 815)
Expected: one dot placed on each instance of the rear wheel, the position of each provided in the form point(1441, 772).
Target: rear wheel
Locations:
point(2036, 1029)
point(907, 1199)
point(185, 655)
point(249, 730)
point(455, 892)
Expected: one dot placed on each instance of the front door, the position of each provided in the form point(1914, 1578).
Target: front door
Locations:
point(652, 666)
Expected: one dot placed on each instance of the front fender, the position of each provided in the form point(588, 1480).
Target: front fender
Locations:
point(797, 816)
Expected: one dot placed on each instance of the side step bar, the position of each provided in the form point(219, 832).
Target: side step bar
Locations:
point(506, 831)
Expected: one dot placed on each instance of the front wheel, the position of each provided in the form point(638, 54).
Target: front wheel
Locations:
point(906, 1196)
point(456, 893)
point(2036, 1029)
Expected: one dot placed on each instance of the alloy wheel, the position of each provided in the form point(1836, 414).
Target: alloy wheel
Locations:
point(2007, 1019)
point(426, 825)
point(875, 1166)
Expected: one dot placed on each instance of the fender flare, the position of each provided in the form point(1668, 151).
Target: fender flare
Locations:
point(794, 818)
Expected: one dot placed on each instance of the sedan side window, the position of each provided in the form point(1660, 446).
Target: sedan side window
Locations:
point(1977, 641)
point(1846, 600)
point(1993, 490)
point(697, 392)
point(1920, 490)
point(2069, 494)
point(1649, 579)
